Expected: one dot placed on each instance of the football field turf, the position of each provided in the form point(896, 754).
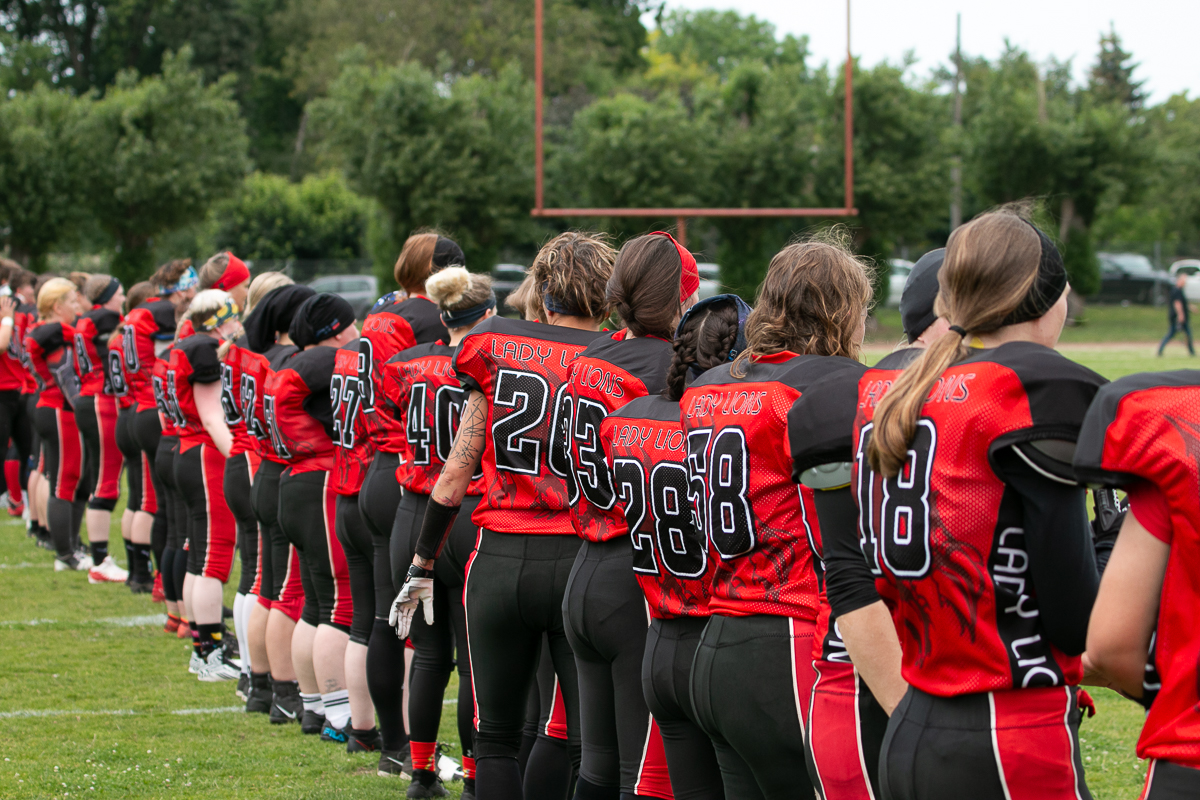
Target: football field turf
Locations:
point(96, 701)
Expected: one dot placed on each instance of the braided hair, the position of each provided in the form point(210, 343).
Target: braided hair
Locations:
point(704, 343)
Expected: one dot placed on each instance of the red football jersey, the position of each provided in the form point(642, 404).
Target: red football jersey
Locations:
point(91, 350)
point(13, 375)
point(298, 411)
point(355, 450)
point(257, 369)
point(759, 524)
point(168, 415)
point(1147, 427)
point(420, 383)
point(946, 538)
point(521, 368)
point(149, 329)
point(646, 451)
point(115, 366)
point(192, 360)
point(231, 397)
point(51, 353)
point(608, 374)
point(390, 328)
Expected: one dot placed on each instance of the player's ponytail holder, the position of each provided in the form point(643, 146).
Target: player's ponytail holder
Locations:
point(962, 332)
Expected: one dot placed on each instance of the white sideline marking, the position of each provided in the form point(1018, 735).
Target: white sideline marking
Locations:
point(60, 712)
point(22, 565)
point(222, 710)
point(119, 622)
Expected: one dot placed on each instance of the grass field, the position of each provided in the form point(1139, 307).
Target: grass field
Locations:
point(96, 701)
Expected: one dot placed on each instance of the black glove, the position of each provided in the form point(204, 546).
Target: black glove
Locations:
point(1110, 513)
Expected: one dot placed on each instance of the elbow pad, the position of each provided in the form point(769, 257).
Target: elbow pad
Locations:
point(824, 477)
point(435, 529)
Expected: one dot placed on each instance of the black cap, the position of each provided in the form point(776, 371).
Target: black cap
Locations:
point(447, 253)
point(920, 294)
point(273, 315)
point(322, 317)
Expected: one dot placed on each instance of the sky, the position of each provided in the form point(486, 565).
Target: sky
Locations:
point(1162, 35)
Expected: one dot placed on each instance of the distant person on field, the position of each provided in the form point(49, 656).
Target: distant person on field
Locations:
point(1178, 315)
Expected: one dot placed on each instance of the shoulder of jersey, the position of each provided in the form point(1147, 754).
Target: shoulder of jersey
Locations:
point(351, 346)
point(821, 421)
point(504, 326)
point(196, 343)
point(650, 407)
point(1058, 389)
point(420, 351)
point(799, 372)
point(1110, 405)
point(313, 363)
point(279, 354)
point(103, 319)
point(642, 357)
point(48, 335)
point(899, 359)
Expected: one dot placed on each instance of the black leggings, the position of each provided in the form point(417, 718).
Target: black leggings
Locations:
point(16, 423)
point(436, 644)
point(666, 677)
point(359, 547)
point(132, 452)
point(237, 496)
point(147, 430)
point(307, 509)
point(380, 495)
point(744, 690)
point(264, 498)
point(545, 758)
point(173, 559)
point(514, 593)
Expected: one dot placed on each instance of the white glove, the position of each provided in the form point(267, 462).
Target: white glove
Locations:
point(415, 591)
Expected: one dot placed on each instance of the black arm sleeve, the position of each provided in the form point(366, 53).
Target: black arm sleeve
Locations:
point(1058, 540)
point(848, 580)
point(435, 528)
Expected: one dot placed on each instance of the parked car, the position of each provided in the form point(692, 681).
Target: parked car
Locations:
point(1191, 268)
point(901, 269)
point(710, 279)
point(505, 280)
point(1130, 278)
point(360, 291)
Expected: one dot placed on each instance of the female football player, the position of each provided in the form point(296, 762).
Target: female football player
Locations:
point(974, 522)
point(421, 385)
point(173, 557)
point(653, 281)
point(299, 414)
point(808, 325)
point(96, 416)
point(514, 424)
point(645, 451)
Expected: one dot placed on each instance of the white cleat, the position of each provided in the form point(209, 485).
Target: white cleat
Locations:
point(218, 668)
point(196, 663)
point(107, 571)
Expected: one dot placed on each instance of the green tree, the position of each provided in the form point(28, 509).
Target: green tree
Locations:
point(723, 40)
point(1111, 79)
point(162, 150)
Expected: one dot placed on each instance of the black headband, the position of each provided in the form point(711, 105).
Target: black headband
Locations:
point(559, 307)
point(465, 316)
point(109, 291)
point(273, 315)
point(1047, 287)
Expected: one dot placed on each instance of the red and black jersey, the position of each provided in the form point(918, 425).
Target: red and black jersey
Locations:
point(420, 383)
point(50, 347)
point(231, 396)
point(192, 360)
point(1147, 428)
point(355, 450)
point(646, 451)
point(149, 329)
point(608, 374)
point(168, 414)
point(114, 362)
point(13, 374)
point(257, 369)
point(390, 328)
point(298, 411)
point(91, 350)
point(521, 368)
point(24, 319)
point(946, 536)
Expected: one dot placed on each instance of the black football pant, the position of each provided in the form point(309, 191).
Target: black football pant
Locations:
point(435, 645)
point(514, 593)
point(545, 757)
point(63, 448)
point(173, 562)
point(132, 451)
point(147, 430)
point(264, 497)
point(359, 547)
point(308, 517)
point(17, 424)
point(666, 682)
point(380, 495)
point(1167, 781)
point(237, 482)
point(749, 696)
point(995, 745)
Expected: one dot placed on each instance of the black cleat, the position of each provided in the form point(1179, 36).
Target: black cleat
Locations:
point(426, 783)
point(258, 698)
point(367, 741)
point(311, 722)
point(141, 587)
point(396, 763)
point(286, 705)
point(332, 734)
point(243, 687)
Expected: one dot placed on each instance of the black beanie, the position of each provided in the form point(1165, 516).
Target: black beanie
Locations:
point(273, 315)
point(447, 253)
point(322, 317)
point(920, 294)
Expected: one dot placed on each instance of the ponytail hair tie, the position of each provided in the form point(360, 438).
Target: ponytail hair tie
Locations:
point(959, 330)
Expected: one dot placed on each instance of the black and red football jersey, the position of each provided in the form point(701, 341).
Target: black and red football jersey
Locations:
point(257, 369)
point(91, 350)
point(114, 362)
point(420, 383)
point(1147, 428)
point(759, 524)
point(521, 368)
point(169, 415)
point(608, 374)
point(231, 396)
point(149, 328)
point(192, 360)
point(390, 328)
point(646, 452)
point(13, 374)
point(298, 412)
point(355, 450)
point(946, 536)
point(820, 432)
point(24, 319)
point(50, 347)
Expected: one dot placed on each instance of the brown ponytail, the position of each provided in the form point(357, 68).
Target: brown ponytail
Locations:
point(991, 264)
point(705, 341)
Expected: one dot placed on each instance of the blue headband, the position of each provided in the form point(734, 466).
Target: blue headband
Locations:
point(559, 307)
point(186, 281)
point(743, 309)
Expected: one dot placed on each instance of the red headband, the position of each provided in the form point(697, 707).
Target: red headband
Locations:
point(689, 278)
point(235, 273)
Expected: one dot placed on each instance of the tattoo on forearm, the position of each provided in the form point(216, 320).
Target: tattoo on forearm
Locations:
point(469, 443)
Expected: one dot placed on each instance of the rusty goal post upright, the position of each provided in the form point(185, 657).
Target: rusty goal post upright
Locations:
point(682, 214)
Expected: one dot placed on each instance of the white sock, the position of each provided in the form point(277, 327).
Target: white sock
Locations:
point(239, 630)
point(247, 606)
point(312, 702)
point(337, 707)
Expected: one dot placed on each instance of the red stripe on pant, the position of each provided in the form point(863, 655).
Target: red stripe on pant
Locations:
point(291, 596)
point(149, 498)
point(1033, 744)
point(556, 728)
point(834, 733)
point(70, 456)
point(802, 631)
point(652, 779)
point(466, 579)
point(221, 531)
point(108, 483)
point(343, 603)
point(256, 589)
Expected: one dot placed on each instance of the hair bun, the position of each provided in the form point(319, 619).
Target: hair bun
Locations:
point(447, 287)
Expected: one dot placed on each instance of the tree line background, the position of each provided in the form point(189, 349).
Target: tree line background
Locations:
point(136, 130)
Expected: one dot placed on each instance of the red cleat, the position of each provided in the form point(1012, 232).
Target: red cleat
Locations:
point(173, 623)
point(17, 510)
point(184, 631)
point(157, 595)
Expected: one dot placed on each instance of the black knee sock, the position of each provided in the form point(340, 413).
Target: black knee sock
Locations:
point(141, 563)
point(209, 638)
point(166, 567)
point(179, 567)
point(549, 771)
point(158, 537)
point(129, 559)
point(528, 740)
point(59, 522)
point(385, 681)
point(99, 552)
point(78, 509)
point(502, 777)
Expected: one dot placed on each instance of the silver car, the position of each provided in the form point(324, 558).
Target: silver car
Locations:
point(360, 291)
